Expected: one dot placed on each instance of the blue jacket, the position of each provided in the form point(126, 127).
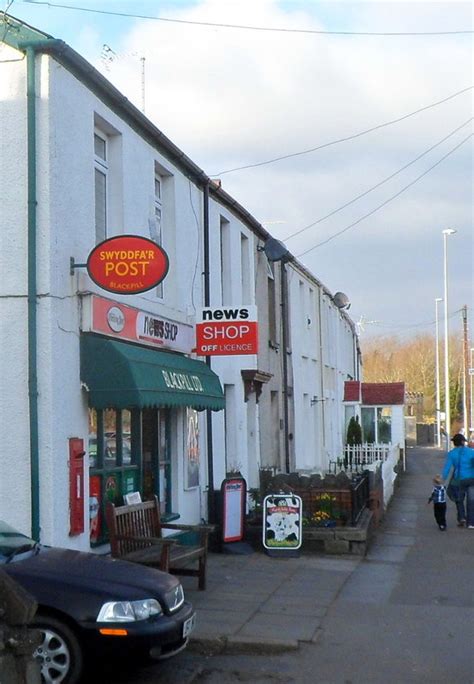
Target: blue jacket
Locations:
point(461, 459)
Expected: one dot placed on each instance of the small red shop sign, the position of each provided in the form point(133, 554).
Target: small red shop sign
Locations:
point(227, 331)
point(127, 264)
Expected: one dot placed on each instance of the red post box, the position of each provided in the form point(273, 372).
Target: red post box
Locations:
point(76, 486)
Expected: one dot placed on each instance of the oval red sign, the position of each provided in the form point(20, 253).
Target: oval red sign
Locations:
point(127, 264)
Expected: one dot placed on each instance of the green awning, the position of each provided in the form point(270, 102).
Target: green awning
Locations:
point(121, 375)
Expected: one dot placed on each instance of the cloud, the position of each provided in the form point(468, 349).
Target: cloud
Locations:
point(228, 97)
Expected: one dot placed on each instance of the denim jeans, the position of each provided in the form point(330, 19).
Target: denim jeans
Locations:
point(466, 491)
point(454, 495)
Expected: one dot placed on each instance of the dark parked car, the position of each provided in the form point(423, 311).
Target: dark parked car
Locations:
point(91, 603)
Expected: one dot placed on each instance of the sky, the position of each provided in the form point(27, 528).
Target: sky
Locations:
point(234, 97)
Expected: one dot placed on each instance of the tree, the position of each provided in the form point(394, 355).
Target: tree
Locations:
point(388, 359)
point(354, 432)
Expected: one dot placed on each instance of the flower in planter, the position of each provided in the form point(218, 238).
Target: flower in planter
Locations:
point(320, 519)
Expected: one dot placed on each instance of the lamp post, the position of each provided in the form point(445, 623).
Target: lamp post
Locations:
point(446, 233)
point(471, 370)
point(438, 402)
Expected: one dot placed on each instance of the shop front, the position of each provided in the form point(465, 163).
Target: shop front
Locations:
point(144, 406)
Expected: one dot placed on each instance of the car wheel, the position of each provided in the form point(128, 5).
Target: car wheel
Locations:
point(59, 652)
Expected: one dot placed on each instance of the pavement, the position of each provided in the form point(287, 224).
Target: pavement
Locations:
point(258, 604)
point(403, 614)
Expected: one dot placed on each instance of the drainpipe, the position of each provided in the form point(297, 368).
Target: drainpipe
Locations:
point(321, 368)
point(211, 504)
point(284, 344)
point(30, 48)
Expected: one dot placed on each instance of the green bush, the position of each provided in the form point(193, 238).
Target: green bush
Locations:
point(354, 432)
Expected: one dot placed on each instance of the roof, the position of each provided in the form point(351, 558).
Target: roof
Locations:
point(21, 36)
point(375, 393)
point(352, 390)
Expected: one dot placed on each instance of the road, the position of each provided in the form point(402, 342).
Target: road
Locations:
point(405, 614)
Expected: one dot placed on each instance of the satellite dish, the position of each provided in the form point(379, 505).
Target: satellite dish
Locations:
point(275, 250)
point(341, 300)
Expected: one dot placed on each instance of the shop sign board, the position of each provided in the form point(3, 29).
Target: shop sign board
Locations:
point(107, 317)
point(227, 331)
point(282, 521)
point(127, 264)
point(234, 495)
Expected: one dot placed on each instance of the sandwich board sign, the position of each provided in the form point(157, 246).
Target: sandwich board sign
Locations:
point(282, 522)
point(234, 497)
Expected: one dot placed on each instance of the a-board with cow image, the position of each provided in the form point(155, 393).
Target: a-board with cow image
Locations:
point(282, 521)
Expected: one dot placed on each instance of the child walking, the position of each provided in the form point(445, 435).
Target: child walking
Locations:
point(438, 497)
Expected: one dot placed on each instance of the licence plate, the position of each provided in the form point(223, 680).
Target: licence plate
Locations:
point(189, 625)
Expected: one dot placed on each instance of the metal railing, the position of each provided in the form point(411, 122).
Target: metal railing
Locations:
point(329, 507)
point(360, 493)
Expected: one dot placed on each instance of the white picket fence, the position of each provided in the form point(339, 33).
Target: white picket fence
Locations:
point(360, 457)
point(366, 454)
point(370, 457)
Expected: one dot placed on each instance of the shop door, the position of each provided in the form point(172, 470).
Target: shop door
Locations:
point(157, 456)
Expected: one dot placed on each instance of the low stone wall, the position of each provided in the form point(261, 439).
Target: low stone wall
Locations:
point(341, 540)
point(327, 540)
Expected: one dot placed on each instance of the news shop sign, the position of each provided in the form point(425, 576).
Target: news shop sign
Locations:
point(127, 264)
point(227, 331)
point(282, 522)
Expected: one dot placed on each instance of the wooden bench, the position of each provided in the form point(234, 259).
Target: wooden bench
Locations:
point(136, 535)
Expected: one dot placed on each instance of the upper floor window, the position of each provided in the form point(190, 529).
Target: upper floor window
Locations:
point(272, 304)
point(101, 169)
point(158, 218)
point(226, 268)
point(245, 269)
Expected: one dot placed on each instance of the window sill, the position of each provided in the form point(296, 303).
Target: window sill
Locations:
point(169, 517)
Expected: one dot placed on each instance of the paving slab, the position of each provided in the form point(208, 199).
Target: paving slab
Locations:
point(282, 626)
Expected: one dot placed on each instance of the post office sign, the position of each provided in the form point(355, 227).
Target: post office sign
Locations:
point(127, 264)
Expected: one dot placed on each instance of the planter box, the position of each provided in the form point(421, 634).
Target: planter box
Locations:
point(326, 540)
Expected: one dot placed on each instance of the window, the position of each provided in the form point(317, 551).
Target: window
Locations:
point(158, 228)
point(226, 270)
point(114, 464)
point(100, 171)
point(377, 424)
point(245, 269)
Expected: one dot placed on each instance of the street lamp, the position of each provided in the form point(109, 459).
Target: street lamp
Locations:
point(447, 409)
point(438, 402)
point(471, 371)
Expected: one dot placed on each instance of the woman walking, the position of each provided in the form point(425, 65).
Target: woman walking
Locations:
point(461, 461)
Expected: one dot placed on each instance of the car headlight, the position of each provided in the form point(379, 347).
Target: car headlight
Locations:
point(129, 611)
point(174, 599)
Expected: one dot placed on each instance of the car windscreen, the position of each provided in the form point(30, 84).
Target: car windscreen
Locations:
point(11, 539)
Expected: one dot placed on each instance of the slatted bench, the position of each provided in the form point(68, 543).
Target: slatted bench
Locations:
point(136, 535)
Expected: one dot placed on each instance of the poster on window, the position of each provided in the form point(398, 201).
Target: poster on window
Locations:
point(191, 452)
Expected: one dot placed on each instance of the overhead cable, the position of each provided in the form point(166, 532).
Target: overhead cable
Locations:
point(251, 28)
point(378, 185)
point(347, 138)
point(355, 223)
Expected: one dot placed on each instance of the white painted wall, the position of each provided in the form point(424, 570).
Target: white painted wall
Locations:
point(232, 283)
point(14, 427)
point(322, 357)
point(65, 229)
point(321, 340)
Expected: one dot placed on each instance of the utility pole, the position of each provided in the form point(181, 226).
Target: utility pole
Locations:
point(466, 395)
point(438, 395)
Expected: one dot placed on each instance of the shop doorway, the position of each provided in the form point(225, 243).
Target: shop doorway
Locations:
point(156, 446)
